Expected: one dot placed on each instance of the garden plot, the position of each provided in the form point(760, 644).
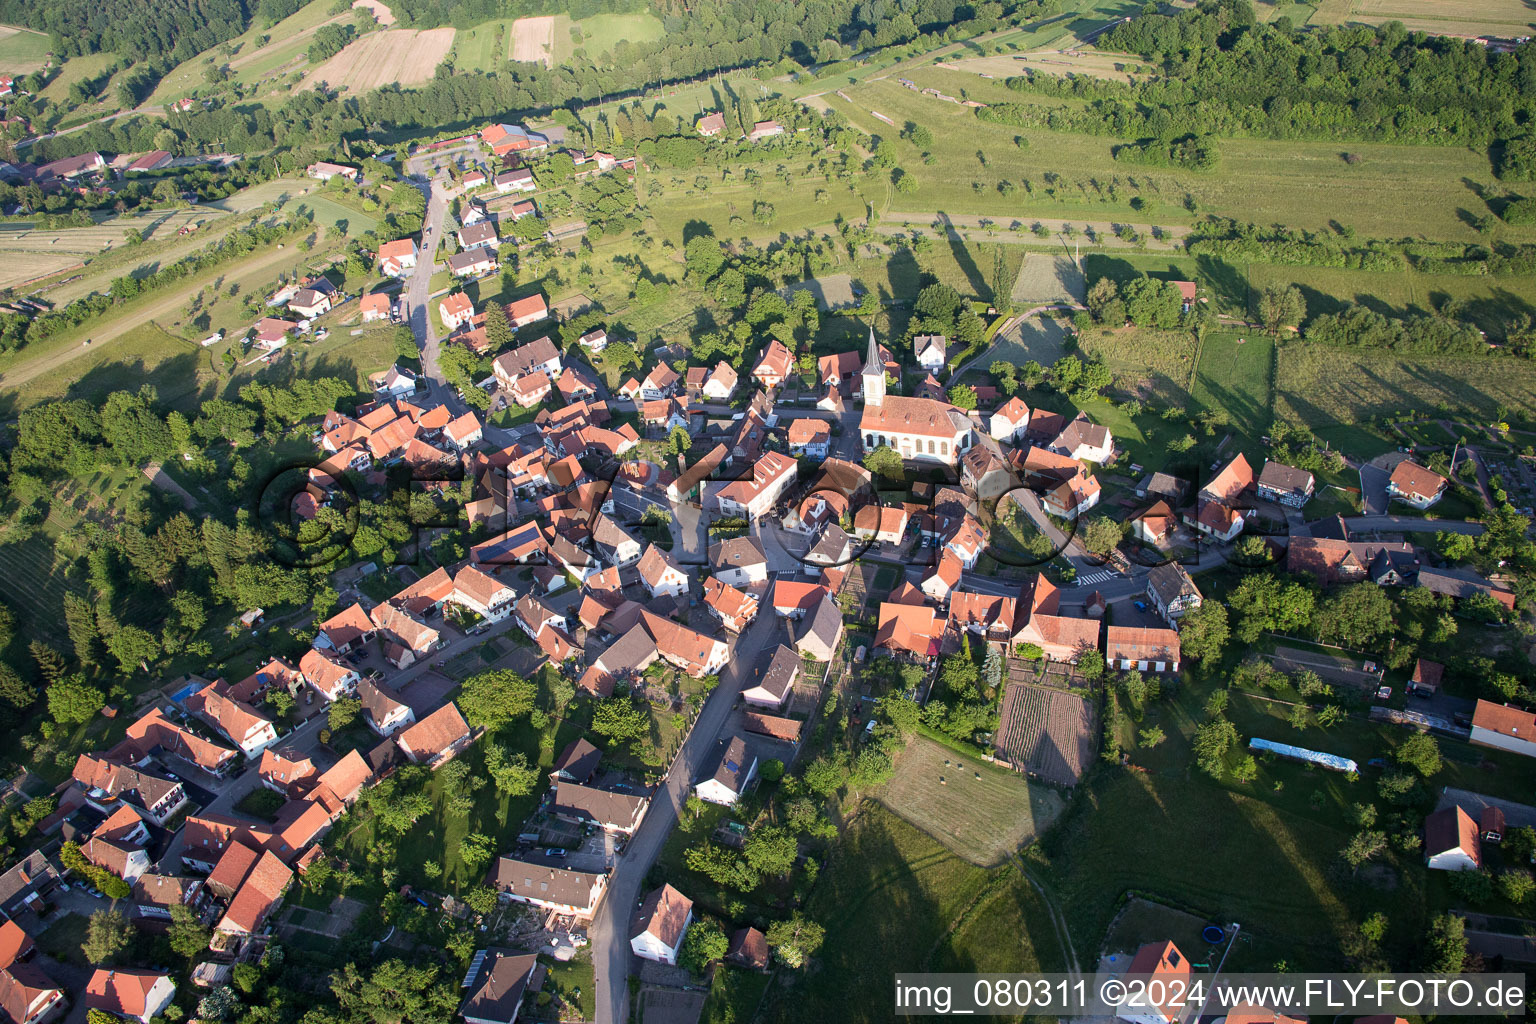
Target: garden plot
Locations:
point(1046, 732)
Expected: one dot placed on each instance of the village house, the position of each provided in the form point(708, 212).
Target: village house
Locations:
point(1039, 622)
point(108, 783)
point(1160, 1003)
point(734, 771)
point(720, 385)
point(455, 310)
point(732, 608)
point(661, 576)
point(436, 739)
point(594, 341)
point(1071, 498)
point(773, 687)
point(1172, 592)
point(661, 382)
point(1285, 484)
point(1085, 441)
point(929, 350)
point(1504, 727)
point(809, 438)
point(128, 993)
point(1009, 421)
point(530, 310)
point(739, 561)
point(237, 721)
point(539, 356)
point(325, 171)
point(611, 810)
point(383, 710)
point(764, 130)
point(1154, 525)
point(476, 236)
point(575, 893)
point(1141, 648)
point(710, 125)
point(1416, 486)
point(822, 631)
point(396, 257)
point(1452, 841)
point(775, 365)
point(660, 925)
point(374, 307)
point(518, 179)
point(882, 524)
point(615, 544)
point(472, 262)
point(497, 983)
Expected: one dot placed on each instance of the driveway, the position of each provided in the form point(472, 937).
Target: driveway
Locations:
point(1373, 482)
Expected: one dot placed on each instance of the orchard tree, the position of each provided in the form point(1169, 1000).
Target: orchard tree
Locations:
point(1281, 306)
point(796, 940)
point(492, 699)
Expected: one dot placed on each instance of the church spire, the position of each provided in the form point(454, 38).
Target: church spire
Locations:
point(874, 373)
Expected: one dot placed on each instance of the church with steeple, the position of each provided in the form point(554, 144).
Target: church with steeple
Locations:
point(919, 429)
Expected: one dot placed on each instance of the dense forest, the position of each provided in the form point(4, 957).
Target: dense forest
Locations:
point(1218, 72)
point(178, 29)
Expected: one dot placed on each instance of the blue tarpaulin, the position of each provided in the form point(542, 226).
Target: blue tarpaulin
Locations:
point(1334, 761)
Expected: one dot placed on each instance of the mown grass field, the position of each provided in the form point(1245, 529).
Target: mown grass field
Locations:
point(1154, 364)
point(601, 32)
point(484, 47)
point(1235, 374)
point(728, 208)
point(1464, 18)
point(1322, 386)
point(892, 899)
point(980, 811)
point(22, 51)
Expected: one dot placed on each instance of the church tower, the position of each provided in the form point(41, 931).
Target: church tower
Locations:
point(874, 375)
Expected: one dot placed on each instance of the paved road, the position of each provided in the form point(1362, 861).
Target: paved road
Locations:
point(419, 288)
point(610, 928)
point(1410, 524)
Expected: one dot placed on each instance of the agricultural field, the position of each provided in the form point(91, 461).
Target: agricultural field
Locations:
point(380, 11)
point(890, 896)
point(1154, 364)
point(1048, 732)
point(22, 51)
point(978, 810)
point(484, 47)
point(40, 252)
point(1039, 338)
point(1091, 63)
point(1464, 18)
point(533, 40)
point(1322, 386)
point(1235, 375)
point(397, 55)
point(1489, 302)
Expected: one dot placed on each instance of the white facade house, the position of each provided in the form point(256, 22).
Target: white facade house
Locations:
point(930, 351)
point(662, 577)
point(661, 925)
point(753, 496)
point(1452, 841)
point(734, 772)
point(1504, 727)
point(1009, 421)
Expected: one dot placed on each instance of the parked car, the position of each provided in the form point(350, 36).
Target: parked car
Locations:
point(554, 851)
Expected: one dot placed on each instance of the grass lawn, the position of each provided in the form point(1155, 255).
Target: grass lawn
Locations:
point(601, 32)
point(564, 980)
point(484, 47)
point(733, 996)
point(61, 940)
point(1235, 375)
point(23, 51)
point(980, 811)
point(892, 899)
point(728, 208)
